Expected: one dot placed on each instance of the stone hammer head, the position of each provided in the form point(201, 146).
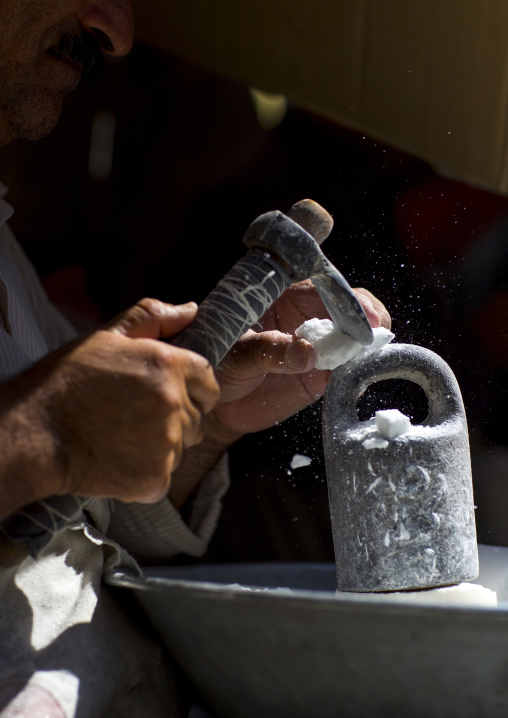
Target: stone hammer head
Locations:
point(292, 240)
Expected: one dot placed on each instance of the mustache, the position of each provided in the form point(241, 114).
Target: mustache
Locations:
point(84, 50)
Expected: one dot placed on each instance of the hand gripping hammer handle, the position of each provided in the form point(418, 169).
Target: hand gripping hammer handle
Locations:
point(280, 252)
point(241, 297)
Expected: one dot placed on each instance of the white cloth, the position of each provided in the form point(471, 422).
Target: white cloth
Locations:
point(59, 628)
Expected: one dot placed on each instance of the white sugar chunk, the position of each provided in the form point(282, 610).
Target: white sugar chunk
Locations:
point(300, 460)
point(333, 347)
point(382, 337)
point(391, 423)
point(375, 442)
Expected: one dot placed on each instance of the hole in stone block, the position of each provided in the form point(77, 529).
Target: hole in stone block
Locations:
point(406, 396)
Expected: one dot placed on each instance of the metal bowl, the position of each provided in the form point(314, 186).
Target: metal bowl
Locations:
point(294, 648)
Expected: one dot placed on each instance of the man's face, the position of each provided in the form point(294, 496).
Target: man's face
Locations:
point(44, 47)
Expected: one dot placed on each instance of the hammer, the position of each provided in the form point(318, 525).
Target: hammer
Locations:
point(282, 249)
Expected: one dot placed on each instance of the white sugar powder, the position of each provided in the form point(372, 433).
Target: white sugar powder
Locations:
point(333, 347)
point(463, 594)
point(375, 442)
point(386, 425)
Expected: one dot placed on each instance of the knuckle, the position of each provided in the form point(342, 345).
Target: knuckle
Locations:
point(193, 433)
point(192, 416)
point(204, 374)
point(170, 398)
point(150, 306)
point(161, 355)
point(269, 349)
point(259, 348)
point(304, 285)
point(174, 439)
point(197, 364)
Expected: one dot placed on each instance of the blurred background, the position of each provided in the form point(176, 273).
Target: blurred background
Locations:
point(147, 186)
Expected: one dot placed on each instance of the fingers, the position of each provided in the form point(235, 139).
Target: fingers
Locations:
point(306, 297)
point(309, 302)
point(376, 312)
point(124, 406)
point(181, 383)
point(152, 319)
point(200, 380)
point(268, 352)
point(301, 301)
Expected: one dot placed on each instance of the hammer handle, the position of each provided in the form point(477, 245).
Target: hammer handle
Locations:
point(241, 297)
point(236, 303)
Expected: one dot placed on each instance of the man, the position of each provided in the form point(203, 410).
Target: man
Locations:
point(116, 414)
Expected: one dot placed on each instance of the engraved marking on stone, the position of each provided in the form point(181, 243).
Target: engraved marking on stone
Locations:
point(430, 558)
point(420, 495)
point(373, 485)
point(407, 512)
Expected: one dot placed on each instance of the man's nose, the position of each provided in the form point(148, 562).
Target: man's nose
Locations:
point(111, 22)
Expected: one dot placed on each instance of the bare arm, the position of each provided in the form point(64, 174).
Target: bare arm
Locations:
point(108, 415)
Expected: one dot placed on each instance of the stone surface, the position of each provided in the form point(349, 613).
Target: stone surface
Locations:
point(402, 514)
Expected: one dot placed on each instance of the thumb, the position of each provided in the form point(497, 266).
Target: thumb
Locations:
point(268, 353)
point(153, 319)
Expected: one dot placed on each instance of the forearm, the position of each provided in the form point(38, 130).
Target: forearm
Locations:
point(198, 460)
point(30, 458)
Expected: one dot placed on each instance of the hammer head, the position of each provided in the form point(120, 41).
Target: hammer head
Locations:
point(298, 252)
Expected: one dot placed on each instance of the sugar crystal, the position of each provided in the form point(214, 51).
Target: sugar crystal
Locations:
point(391, 423)
point(333, 347)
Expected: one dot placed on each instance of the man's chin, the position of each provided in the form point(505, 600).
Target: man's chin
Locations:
point(35, 123)
point(37, 133)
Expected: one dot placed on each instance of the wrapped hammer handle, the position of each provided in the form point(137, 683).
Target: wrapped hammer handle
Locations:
point(237, 302)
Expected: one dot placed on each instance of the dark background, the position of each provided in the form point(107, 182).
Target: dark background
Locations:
point(191, 168)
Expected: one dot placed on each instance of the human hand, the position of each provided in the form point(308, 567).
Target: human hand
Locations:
point(109, 415)
point(269, 375)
